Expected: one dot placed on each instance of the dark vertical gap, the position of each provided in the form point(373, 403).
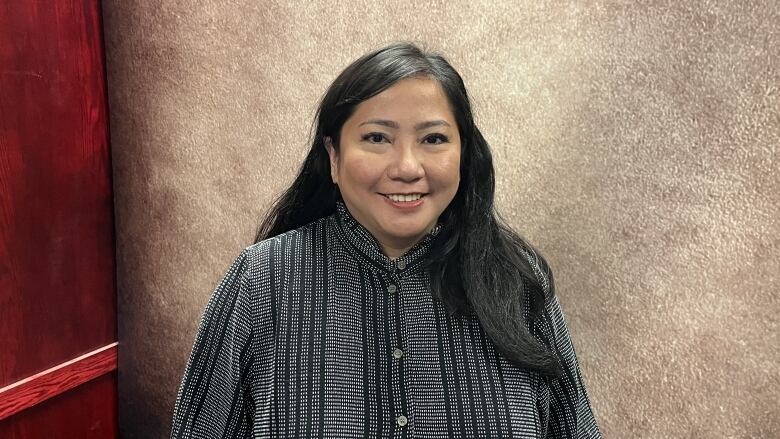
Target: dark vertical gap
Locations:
point(323, 324)
point(458, 389)
point(445, 376)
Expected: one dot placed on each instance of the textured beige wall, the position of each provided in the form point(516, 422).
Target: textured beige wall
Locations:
point(636, 145)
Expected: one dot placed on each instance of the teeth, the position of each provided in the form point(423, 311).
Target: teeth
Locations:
point(401, 198)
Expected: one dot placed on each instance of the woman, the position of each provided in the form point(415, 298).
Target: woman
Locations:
point(382, 296)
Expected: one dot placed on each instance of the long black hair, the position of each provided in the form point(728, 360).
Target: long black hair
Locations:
point(478, 265)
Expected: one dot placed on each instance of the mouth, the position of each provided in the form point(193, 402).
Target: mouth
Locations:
point(401, 198)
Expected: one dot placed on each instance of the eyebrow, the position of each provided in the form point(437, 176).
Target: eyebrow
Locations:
point(418, 127)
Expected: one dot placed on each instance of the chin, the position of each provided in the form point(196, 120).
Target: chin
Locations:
point(408, 232)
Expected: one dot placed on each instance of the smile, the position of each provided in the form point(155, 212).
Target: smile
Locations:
point(399, 198)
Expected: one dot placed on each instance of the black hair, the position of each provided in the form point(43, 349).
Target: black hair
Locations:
point(483, 272)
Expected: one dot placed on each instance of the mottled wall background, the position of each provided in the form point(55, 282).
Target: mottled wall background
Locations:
point(636, 145)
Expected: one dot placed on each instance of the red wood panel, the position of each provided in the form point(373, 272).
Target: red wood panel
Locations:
point(57, 296)
point(65, 416)
point(57, 293)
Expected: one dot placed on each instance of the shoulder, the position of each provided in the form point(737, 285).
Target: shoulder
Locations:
point(541, 269)
point(272, 252)
point(258, 274)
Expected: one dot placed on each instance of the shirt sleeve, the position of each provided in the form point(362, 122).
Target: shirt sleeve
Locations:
point(570, 412)
point(571, 415)
point(213, 399)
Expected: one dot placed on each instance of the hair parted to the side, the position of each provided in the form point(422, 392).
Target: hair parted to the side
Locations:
point(476, 263)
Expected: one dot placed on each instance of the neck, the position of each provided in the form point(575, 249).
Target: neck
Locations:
point(394, 250)
point(394, 253)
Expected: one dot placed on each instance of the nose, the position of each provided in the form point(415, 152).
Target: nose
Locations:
point(406, 166)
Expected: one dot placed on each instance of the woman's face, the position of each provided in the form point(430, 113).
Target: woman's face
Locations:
point(398, 165)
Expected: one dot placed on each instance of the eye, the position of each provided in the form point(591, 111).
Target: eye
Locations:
point(436, 139)
point(374, 137)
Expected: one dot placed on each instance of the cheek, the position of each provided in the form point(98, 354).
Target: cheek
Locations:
point(447, 170)
point(360, 172)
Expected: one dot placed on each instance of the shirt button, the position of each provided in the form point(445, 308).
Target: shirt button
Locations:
point(397, 354)
point(392, 288)
point(401, 421)
point(401, 264)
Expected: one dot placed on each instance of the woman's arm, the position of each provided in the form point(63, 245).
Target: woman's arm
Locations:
point(570, 413)
point(213, 399)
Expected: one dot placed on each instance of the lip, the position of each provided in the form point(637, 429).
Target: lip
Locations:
point(403, 193)
point(405, 205)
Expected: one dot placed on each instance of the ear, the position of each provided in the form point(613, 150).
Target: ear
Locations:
point(334, 159)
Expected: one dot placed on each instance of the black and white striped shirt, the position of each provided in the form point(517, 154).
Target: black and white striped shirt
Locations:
point(316, 333)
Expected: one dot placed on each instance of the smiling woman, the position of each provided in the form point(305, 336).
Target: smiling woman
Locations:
point(382, 296)
point(396, 168)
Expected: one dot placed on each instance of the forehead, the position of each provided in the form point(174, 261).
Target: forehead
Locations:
point(408, 100)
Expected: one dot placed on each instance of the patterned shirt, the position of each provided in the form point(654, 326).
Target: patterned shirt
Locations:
point(316, 333)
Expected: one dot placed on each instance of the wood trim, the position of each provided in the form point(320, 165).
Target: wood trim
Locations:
point(61, 378)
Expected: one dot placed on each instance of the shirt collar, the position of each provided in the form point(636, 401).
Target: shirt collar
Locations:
point(366, 247)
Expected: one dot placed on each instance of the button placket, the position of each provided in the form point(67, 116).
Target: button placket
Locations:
point(396, 352)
